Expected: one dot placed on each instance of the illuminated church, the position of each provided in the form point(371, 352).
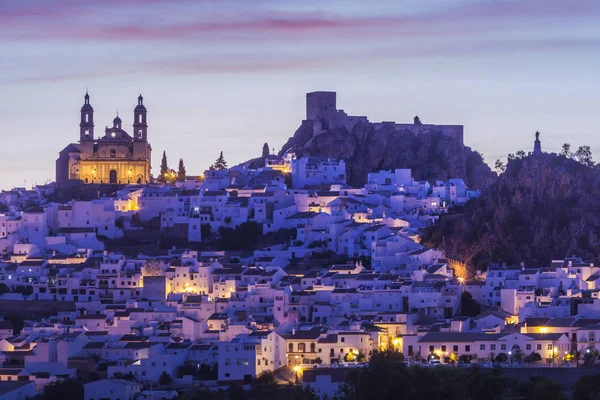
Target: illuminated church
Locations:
point(116, 157)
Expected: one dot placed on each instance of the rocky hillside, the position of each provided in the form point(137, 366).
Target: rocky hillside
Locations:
point(366, 149)
point(541, 208)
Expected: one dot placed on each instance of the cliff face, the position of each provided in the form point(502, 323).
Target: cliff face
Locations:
point(365, 149)
point(541, 208)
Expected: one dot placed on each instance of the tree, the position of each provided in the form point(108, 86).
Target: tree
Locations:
point(220, 164)
point(24, 290)
point(468, 306)
point(266, 151)
point(3, 289)
point(63, 389)
point(566, 151)
point(541, 388)
point(164, 379)
point(264, 385)
point(500, 167)
point(502, 357)
point(533, 358)
point(164, 168)
point(584, 156)
point(318, 361)
point(181, 170)
point(587, 388)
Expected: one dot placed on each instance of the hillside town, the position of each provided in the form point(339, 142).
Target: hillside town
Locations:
point(349, 278)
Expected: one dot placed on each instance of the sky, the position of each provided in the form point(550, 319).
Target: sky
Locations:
point(230, 75)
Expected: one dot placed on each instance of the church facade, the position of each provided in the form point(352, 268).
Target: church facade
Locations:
point(115, 158)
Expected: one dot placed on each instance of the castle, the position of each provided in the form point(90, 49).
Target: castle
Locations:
point(322, 113)
point(115, 158)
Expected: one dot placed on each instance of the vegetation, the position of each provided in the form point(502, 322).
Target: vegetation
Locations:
point(244, 237)
point(63, 389)
point(165, 379)
point(265, 150)
point(181, 170)
point(220, 164)
point(468, 306)
point(164, 168)
point(587, 388)
point(3, 289)
point(541, 208)
point(387, 378)
point(24, 290)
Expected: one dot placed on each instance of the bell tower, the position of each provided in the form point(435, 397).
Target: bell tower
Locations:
point(140, 127)
point(86, 126)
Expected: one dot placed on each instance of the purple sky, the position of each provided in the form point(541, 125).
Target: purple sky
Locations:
point(232, 74)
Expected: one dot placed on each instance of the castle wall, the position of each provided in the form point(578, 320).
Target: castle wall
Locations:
point(321, 110)
point(453, 131)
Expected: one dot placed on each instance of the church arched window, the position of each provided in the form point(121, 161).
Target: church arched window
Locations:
point(87, 132)
point(113, 153)
point(140, 134)
point(87, 117)
point(140, 118)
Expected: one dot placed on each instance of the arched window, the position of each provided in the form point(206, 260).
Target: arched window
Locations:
point(140, 134)
point(113, 153)
point(87, 132)
point(140, 118)
point(87, 117)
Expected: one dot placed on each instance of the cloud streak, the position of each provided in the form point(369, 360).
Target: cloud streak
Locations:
point(192, 23)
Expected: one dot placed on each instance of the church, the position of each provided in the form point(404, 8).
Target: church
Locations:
point(115, 158)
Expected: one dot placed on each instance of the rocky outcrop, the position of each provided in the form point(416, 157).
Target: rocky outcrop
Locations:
point(542, 208)
point(431, 156)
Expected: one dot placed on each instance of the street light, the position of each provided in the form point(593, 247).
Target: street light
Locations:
point(509, 354)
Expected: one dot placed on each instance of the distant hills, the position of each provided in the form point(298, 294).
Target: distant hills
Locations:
point(541, 208)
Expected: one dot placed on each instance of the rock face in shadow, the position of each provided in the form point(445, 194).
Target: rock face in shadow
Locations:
point(542, 208)
point(432, 156)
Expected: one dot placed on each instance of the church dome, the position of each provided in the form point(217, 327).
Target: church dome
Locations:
point(117, 121)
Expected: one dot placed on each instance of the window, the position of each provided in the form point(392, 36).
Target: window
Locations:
point(592, 336)
point(502, 347)
point(527, 347)
point(467, 348)
point(444, 348)
point(550, 347)
point(454, 348)
point(482, 347)
point(431, 349)
point(113, 153)
point(343, 339)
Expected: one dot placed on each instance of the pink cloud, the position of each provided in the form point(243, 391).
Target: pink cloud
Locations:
point(242, 22)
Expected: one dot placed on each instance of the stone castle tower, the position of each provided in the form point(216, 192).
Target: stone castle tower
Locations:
point(115, 158)
point(322, 114)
